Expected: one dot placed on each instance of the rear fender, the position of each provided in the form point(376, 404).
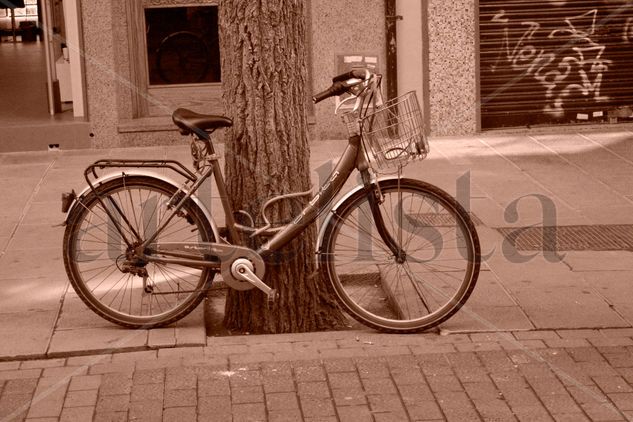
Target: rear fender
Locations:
point(137, 172)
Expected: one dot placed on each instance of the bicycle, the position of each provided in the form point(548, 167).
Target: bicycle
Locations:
point(402, 255)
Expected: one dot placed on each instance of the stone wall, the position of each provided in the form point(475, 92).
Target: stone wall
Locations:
point(452, 64)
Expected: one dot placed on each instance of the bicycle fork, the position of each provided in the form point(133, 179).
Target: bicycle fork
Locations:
point(376, 198)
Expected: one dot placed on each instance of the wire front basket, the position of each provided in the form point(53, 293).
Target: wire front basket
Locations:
point(394, 134)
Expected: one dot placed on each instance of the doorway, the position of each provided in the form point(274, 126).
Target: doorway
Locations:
point(39, 111)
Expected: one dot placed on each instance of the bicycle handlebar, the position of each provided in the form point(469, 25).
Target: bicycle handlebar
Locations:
point(340, 84)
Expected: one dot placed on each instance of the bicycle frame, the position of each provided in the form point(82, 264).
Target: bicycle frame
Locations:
point(180, 253)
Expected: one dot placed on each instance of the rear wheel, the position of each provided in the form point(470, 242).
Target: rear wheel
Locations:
point(104, 273)
point(402, 292)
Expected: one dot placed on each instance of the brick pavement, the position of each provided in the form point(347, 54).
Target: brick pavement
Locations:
point(568, 375)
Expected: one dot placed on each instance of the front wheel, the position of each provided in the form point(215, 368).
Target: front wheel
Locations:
point(425, 281)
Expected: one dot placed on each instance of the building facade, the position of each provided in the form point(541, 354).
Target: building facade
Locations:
point(477, 65)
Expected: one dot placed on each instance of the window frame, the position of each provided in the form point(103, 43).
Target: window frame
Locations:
point(158, 100)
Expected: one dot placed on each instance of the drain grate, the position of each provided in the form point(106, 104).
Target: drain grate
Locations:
point(616, 237)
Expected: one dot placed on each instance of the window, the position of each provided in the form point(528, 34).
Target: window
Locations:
point(182, 45)
point(174, 57)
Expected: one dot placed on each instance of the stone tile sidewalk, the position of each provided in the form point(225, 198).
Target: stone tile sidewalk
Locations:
point(568, 375)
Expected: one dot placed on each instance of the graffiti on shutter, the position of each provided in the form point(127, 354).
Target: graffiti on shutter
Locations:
point(555, 62)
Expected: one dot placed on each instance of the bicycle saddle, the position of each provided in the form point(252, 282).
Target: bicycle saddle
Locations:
point(191, 122)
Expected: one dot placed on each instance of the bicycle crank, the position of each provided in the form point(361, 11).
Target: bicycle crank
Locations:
point(244, 270)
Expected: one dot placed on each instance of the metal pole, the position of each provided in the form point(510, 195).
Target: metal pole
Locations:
point(13, 24)
point(391, 19)
point(48, 40)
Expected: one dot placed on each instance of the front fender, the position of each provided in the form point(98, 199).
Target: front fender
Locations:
point(138, 172)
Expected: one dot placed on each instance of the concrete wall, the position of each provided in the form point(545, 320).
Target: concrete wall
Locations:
point(342, 27)
point(101, 75)
point(452, 63)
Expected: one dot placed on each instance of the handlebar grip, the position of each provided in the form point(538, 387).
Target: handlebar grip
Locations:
point(337, 88)
point(354, 73)
point(317, 98)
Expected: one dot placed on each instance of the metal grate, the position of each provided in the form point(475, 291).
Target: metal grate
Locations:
point(615, 237)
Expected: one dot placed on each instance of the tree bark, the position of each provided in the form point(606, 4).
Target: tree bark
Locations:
point(267, 154)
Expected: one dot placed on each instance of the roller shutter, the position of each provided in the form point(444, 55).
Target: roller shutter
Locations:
point(555, 62)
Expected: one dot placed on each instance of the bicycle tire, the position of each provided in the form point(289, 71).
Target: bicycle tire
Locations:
point(389, 295)
point(94, 253)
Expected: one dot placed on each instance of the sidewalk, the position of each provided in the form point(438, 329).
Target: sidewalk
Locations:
point(555, 323)
point(575, 376)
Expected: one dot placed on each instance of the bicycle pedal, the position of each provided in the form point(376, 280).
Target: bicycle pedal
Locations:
point(272, 297)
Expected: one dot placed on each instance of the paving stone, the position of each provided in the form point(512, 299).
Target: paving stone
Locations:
point(316, 407)
point(249, 412)
point(141, 392)
point(211, 387)
point(281, 401)
point(9, 366)
point(585, 354)
point(42, 363)
point(134, 356)
point(253, 394)
point(379, 386)
point(349, 397)
point(65, 371)
point(246, 378)
point(602, 412)
point(112, 368)
point(276, 369)
point(115, 384)
point(344, 380)
point(354, 413)
point(148, 376)
point(412, 393)
point(536, 335)
point(180, 398)
point(456, 406)
point(77, 414)
point(424, 410)
point(623, 401)
point(467, 374)
point(385, 403)
point(560, 404)
point(372, 367)
point(84, 382)
point(215, 406)
point(570, 417)
point(83, 398)
point(180, 414)
point(48, 398)
point(14, 405)
point(612, 384)
point(113, 404)
point(317, 390)
point(146, 410)
point(286, 415)
point(181, 352)
point(88, 360)
point(309, 373)
point(20, 374)
point(180, 381)
point(339, 365)
point(20, 386)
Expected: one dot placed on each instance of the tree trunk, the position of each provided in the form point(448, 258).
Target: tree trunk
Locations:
point(267, 154)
